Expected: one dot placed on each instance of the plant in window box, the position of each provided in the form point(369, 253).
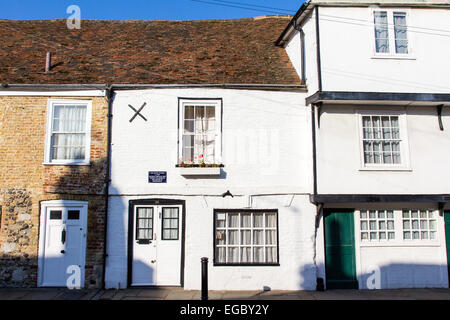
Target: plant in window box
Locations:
point(198, 162)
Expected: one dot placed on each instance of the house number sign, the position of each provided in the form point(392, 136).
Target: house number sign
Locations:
point(157, 176)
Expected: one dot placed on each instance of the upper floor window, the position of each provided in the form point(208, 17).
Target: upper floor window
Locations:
point(68, 132)
point(383, 140)
point(391, 32)
point(200, 134)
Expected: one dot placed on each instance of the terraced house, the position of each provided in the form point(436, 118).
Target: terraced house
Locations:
point(301, 152)
point(379, 94)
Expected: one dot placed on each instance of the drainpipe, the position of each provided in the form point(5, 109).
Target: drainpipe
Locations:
point(109, 96)
point(319, 206)
point(302, 48)
point(319, 62)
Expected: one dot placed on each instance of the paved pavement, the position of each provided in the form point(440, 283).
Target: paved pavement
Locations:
point(181, 294)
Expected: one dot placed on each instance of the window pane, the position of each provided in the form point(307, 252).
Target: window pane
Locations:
point(246, 237)
point(233, 220)
point(363, 225)
point(55, 215)
point(271, 254)
point(271, 221)
point(381, 32)
point(220, 255)
point(258, 237)
point(258, 220)
point(233, 254)
point(246, 220)
point(189, 112)
point(73, 214)
point(400, 29)
point(246, 254)
point(233, 237)
point(271, 237)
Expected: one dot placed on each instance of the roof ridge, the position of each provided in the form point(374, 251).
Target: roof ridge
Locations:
point(147, 21)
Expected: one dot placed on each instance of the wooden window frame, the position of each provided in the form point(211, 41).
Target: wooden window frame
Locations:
point(49, 132)
point(247, 211)
point(404, 164)
point(217, 103)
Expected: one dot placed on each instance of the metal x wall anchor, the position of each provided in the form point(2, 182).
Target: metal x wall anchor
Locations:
point(137, 112)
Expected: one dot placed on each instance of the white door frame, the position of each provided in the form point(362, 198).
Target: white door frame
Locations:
point(162, 203)
point(44, 205)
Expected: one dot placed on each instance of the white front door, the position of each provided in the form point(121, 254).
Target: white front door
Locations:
point(156, 256)
point(62, 243)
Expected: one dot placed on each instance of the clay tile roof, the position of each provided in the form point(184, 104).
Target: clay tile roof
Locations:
point(238, 51)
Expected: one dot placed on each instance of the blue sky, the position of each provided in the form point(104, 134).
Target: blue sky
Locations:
point(146, 9)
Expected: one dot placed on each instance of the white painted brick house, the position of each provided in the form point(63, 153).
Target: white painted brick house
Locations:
point(376, 73)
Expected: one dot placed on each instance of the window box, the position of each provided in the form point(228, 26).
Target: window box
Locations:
point(199, 170)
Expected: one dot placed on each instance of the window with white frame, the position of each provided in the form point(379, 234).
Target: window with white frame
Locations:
point(200, 134)
point(419, 225)
point(68, 132)
point(377, 225)
point(381, 139)
point(391, 29)
point(246, 237)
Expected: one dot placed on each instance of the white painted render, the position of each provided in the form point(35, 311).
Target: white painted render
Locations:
point(296, 256)
point(348, 59)
point(348, 63)
point(266, 145)
point(339, 167)
point(267, 156)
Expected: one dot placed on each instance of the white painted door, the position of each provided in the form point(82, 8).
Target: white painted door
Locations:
point(156, 246)
point(64, 244)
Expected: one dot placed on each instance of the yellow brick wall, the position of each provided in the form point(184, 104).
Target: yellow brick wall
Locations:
point(25, 181)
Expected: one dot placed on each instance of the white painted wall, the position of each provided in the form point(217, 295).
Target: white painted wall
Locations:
point(267, 156)
point(349, 62)
point(339, 163)
point(293, 49)
point(296, 221)
point(266, 143)
point(402, 263)
point(348, 59)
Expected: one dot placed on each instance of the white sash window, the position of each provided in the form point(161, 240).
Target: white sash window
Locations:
point(200, 131)
point(68, 132)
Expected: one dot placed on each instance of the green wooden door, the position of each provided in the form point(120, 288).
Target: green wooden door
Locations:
point(340, 250)
point(447, 236)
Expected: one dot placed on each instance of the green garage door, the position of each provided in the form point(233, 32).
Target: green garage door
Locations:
point(447, 236)
point(340, 250)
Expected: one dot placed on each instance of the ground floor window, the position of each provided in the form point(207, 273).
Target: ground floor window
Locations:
point(419, 225)
point(246, 237)
point(377, 225)
point(399, 226)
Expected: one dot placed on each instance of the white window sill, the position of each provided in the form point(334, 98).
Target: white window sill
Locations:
point(393, 57)
point(387, 168)
point(83, 163)
point(400, 244)
point(199, 171)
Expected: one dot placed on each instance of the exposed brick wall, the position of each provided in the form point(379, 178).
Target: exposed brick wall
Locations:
point(25, 182)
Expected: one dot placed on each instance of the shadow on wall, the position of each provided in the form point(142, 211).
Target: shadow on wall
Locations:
point(20, 221)
point(391, 276)
point(383, 276)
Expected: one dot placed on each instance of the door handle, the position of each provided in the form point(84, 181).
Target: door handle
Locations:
point(63, 236)
point(63, 251)
point(153, 261)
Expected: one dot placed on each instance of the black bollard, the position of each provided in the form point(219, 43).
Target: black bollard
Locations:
point(204, 278)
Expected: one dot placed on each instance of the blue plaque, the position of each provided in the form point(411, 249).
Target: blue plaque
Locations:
point(157, 176)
